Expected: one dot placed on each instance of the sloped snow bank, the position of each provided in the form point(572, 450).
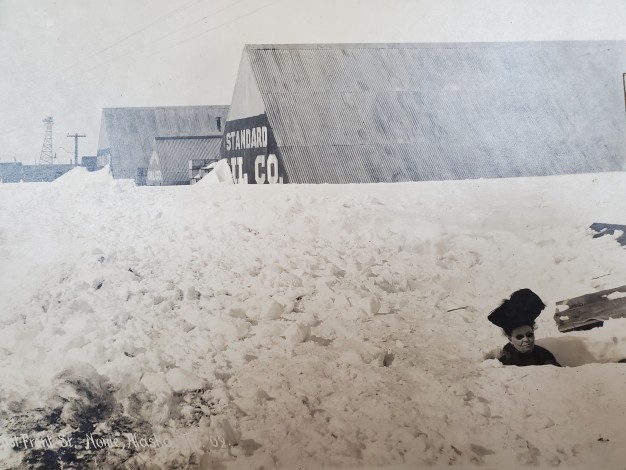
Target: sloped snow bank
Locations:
point(220, 174)
point(305, 326)
point(80, 176)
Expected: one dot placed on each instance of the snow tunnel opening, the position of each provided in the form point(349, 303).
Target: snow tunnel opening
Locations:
point(575, 351)
point(578, 350)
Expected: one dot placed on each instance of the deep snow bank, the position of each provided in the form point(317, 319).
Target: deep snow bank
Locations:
point(80, 176)
point(251, 327)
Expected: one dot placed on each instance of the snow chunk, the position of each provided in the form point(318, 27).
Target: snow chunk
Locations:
point(241, 328)
point(491, 363)
point(370, 304)
point(615, 295)
point(274, 310)
point(183, 381)
point(221, 174)
point(157, 384)
point(192, 294)
point(350, 357)
point(264, 308)
point(298, 333)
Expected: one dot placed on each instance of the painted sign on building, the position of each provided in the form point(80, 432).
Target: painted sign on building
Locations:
point(251, 151)
point(154, 176)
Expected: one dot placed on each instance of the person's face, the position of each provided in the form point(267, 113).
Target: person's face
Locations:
point(523, 338)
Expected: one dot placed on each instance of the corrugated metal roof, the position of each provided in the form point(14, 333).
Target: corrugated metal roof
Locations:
point(129, 132)
point(174, 155)
point(387, 112)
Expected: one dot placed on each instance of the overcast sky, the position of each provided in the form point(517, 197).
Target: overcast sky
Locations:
point(71, 58)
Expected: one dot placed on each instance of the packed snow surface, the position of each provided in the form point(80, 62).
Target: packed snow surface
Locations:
point(238, 327)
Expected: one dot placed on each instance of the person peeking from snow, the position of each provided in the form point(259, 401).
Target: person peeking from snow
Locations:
point(516, 316)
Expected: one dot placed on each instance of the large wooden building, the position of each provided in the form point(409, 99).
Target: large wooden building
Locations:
point(362, 113)
point(130, 136)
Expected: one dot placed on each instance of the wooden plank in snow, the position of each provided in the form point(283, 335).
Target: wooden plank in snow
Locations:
point(602, 229)
point(583, 312)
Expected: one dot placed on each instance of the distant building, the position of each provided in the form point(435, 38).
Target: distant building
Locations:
point(363, 113)
point(174, 159)
point(127, 135)
point(91, 163)
point(16, 172)
point(11, 172)
point(141, 176)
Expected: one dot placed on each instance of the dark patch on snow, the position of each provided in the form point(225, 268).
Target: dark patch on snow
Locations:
point(248, 446)
point(388, 359)
point(130, 270)
point(602, 229)
point(392, 311)
point(81, 407)
point(480, 450)
point(321, 341)
point(457, 308)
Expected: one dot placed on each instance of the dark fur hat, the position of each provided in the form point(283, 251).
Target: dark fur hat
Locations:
point(522, 308)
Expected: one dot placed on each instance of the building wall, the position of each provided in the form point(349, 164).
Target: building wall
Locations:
point(11, 172)
point(249, 144)
point(406, 112)
point(171, 157)
point(247, 100)
point(251, 151)
point(127, 134)
point(91, 163)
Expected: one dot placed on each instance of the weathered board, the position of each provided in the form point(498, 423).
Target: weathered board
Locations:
point(602, 229)
point(590, 310)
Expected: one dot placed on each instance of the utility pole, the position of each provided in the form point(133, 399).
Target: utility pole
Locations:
point(46, 156)
point(76, 136)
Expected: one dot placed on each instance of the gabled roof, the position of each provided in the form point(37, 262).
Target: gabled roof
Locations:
point(401, 112)
point(129, 133)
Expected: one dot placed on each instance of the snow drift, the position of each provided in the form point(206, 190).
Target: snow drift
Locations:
point(220, 173)
point(80, 176)
point(304, 326)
